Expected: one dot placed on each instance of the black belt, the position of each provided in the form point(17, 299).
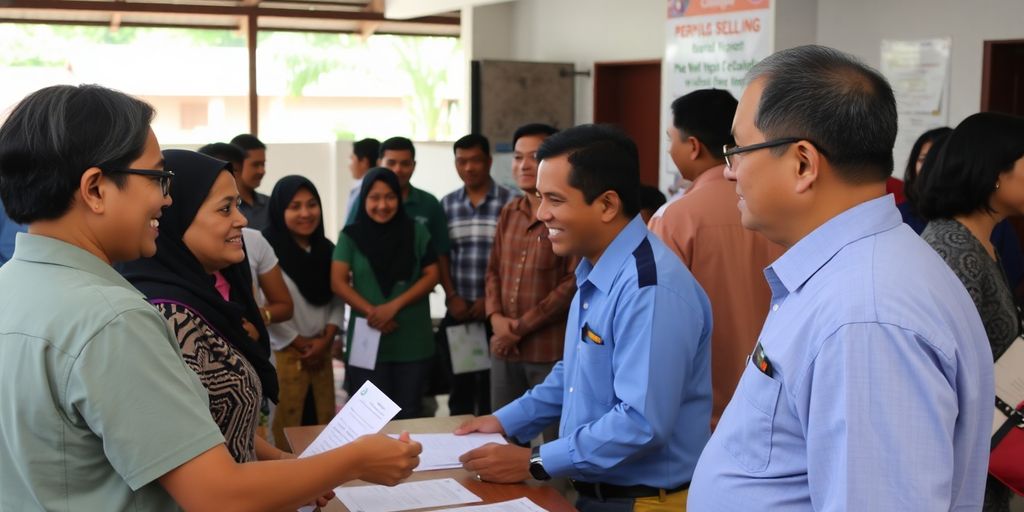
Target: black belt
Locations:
point(606, 491)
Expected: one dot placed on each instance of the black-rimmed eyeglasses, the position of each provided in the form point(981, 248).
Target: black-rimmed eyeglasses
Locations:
point(163, 176)
point(729, 150)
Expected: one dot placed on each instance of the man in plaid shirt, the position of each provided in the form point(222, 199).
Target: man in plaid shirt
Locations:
point(472, 213)
point(529, 287)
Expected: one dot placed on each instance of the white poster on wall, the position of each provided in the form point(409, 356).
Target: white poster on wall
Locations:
point(919, 74)
point(711, 44)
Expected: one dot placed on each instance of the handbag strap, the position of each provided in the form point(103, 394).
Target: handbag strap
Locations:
point(1014, 418)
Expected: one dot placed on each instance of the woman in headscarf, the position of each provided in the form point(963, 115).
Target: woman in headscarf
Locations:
point(199, 281)
point(302, 345)
point(384, 268)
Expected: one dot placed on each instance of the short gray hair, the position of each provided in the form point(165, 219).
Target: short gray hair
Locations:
point(832, 99)
point(55, 134)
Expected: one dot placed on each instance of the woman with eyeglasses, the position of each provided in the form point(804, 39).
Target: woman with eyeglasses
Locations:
point(97, 407)
point(977, 180)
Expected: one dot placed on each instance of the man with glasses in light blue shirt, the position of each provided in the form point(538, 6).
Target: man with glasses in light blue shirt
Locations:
point(633, 391)
point(870, 387)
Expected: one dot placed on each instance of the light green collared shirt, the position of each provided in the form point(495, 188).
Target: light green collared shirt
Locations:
point(96, 402)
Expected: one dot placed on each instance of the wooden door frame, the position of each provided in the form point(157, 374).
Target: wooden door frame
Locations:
point(598, 66)
point(986, 69)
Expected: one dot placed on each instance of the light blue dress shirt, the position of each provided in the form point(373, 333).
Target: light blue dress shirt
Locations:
point(634, 388)
point(8, 230)
point(881, 394)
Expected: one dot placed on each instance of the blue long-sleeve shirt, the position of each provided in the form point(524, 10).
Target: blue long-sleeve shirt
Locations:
point(634, 388)
point(880, 389)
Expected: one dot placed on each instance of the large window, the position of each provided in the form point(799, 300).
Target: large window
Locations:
point(312, 87)
point(196, 78)
point(316, 87)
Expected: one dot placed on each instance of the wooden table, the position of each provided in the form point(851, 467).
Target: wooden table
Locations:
point(547, 497)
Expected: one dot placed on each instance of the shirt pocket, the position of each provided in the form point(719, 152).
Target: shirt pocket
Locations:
point(749, 440)
point(595, 373)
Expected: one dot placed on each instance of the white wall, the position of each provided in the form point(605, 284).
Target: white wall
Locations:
point(587, 31)
point(859, 27)
point(576, 31)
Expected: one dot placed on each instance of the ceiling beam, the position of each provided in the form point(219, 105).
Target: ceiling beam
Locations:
point(308, 11)
point(367, 28)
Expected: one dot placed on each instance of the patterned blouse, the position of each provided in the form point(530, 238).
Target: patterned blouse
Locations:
point(982, 276)
point(232, 383)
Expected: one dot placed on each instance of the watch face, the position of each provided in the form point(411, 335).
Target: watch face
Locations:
point(537, 470)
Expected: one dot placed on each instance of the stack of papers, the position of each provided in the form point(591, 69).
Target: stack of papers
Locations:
point(442, 451)
point(408, 496)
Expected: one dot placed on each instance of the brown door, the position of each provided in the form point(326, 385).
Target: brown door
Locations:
point(1002, 86)
point(1002, 90)
point(628, 94)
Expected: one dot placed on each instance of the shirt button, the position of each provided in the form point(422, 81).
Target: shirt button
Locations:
point(586, 305)
point(775, 307)
point(571, 389)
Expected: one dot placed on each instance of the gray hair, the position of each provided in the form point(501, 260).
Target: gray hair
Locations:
point(54, 134)
point(832, 99)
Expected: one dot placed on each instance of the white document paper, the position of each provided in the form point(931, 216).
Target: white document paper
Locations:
point(468, 346)
point(365, 344)
point(1009, 370)
point(407, 496)
point(520, 505)
point(366, 412)
point(442, 451)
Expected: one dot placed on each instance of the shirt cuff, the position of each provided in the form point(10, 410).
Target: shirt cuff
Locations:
point(557, 459)
point(513, 419)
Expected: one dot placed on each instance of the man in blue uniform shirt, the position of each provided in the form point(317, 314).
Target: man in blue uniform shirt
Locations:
point(870, 387)
point(634, 390)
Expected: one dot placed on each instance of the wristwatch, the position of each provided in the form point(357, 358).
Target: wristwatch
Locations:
point(537, 466)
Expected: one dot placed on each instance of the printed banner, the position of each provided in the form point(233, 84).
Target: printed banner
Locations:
point(711, 44)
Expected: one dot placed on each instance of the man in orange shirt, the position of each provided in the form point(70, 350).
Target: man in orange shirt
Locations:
point(703, 227)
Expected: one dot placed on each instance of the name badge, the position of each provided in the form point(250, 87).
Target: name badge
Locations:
point(761, 360)
point(591, 336)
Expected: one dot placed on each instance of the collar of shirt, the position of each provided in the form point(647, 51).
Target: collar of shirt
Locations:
point(491, 193)
point(50, 251)
point(523, 206)
point(602, 275)
point(712, 175)
point(415, 196)
point(813, 251)
point(258, 200)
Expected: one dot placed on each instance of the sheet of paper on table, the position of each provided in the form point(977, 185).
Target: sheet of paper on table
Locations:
point(520, 505)
point(408, 496)
point(442, 451)
point(366, 412)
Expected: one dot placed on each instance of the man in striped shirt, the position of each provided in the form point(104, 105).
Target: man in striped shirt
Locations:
point(472, 213)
